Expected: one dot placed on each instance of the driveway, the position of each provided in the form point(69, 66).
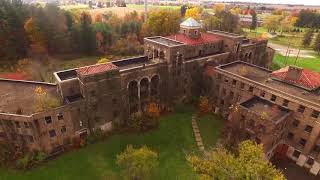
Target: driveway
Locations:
point(293, 52)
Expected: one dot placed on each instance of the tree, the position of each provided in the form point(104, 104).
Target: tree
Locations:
point(271, 22)
point(211, 22)
point(218, 8)
point(229, 22)
point(316, 45)
point(204, 104)
point(103, 60)
point(162, 22)
point(87, 36)
point(254, 21)
point(248, 163)
point(194, 12)
point(307, 38)
point(183, 10)
point(137, 164)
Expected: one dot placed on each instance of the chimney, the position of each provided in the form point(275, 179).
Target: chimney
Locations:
point(294, 72)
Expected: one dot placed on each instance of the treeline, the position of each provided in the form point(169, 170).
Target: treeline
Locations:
point(35, 31)
point(308, 18)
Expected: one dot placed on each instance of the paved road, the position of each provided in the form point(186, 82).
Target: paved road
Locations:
point(293, 52)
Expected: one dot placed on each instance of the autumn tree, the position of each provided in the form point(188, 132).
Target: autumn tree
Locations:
point(137, 163)
point(271, 22)
point(248, 163)
point(163, 22)
point(307, 38)
point(218, 8)
point(103, 60)
point(194, 12)
point(204, 104)
point(316, 45)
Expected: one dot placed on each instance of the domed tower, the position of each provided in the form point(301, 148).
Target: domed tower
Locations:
point(190, 28)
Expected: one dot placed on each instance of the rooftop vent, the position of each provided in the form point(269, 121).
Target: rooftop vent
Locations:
point(294, 72)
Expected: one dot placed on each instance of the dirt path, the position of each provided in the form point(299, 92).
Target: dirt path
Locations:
point(293, 52)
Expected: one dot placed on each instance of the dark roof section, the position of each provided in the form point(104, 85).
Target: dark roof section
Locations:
point(73, 98)
point(266, 108)
point(68, 74)
point(19, 97)
point(130, 61)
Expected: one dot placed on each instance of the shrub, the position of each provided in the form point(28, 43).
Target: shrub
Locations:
point(137, 163)
point(204, 104)
point(95, 136)
point(24, 162)
point(136, 121)
point(40, 156)
point(6, 153)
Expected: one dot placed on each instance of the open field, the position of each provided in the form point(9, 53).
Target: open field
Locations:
point(280, 61)
point(172, 140)
point(295, 39)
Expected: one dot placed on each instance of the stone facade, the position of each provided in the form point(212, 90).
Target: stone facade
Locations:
point(97, 96)
point(298, 132)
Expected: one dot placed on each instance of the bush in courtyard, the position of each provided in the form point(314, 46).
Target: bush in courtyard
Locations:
point(136, 121)
point(6, 153)
point(95, 136)
point(39, 156)
point(152, 116)
point(204, 105)
point(137, 163)
point(24, 162)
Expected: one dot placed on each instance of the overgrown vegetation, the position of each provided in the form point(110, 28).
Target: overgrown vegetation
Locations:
point(247, 163)
point(137, 163)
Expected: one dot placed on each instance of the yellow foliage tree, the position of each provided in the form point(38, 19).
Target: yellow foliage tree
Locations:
point(218, 8)
point(162, 22)
point(194, 12)
point(204, 104)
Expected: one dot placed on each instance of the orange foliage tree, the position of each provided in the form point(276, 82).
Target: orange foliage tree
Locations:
point(153, 110)
point(204, 104)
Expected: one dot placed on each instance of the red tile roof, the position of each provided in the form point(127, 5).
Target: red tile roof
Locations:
point(308, 79)
point(204, 38)
point(98, 68)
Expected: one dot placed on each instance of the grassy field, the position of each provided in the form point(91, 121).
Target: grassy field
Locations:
point(280, 61)
point(172, 141)
point(210, 127)
point(294, 38)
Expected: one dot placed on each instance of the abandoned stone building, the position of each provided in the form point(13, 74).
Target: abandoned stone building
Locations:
point(230, 68)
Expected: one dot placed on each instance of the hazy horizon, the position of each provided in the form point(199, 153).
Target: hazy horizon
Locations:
point(296, 2)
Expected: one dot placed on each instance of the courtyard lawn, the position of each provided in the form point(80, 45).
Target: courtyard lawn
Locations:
point(280, 61)
point(210, 127)
point(172, 141)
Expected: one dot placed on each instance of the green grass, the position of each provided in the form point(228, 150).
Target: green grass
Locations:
point(280, 61)
point(210, 127)
point(172, 141)
point(295, 38)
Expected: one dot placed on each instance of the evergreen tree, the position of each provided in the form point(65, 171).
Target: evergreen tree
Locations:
point(316, 45)
point(254, 22)
point(87, 36)
point(307, 38)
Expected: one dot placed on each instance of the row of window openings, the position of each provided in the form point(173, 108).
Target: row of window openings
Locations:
point(297, 153)
point(48, 119)
point(296, 123)
point(303, 142)
point(52, 132)
point(301, 109)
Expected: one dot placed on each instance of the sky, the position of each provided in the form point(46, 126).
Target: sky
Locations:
point(305, 2)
